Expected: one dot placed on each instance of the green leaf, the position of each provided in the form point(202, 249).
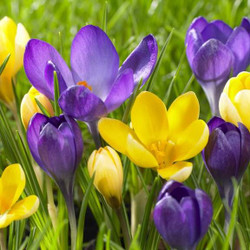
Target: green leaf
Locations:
point(3, 65)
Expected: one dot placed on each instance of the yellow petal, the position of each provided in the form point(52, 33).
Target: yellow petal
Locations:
point(139, 154)
point(149, 118)
point(25, 208)
point(12, 183)
point(191, 141)
point(227, 110)
point(21, 39)
point(8, 27)
point(179, 171)
point(6, 90)
point(183, 111)
point(115, 133)
point(234, 86)
point(242, 76)
point(242, 104)
point(106, 164)
point(247, 82)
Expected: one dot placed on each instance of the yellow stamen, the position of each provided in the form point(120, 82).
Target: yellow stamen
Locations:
point(85, 84)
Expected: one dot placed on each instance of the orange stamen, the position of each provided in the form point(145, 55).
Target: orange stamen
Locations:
point(85, 84)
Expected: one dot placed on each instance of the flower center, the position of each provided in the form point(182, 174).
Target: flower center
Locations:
point(85, 84)
point(163, 152)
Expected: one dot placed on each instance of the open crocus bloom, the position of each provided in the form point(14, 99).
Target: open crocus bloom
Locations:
point(159, 138)
point(214, 50)
point(234, 102)
point(12, 183)
point(13, 39)
point(95, 85)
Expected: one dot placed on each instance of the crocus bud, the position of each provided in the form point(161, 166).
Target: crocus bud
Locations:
point(29, 106)
point(13, 39)
point(214, 50)
point(234, 102)
point(182, 215)
point(227, 154)
point(56, 145)
point(107, 166)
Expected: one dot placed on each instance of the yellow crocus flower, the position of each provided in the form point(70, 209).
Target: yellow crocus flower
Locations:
point(160, 139)
point(234, 102)
point(107, 166)
point(12, 183)
point(13, 39)
point(29, 106)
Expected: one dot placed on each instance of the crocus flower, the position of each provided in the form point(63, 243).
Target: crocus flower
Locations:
point(56, 145)
point(182, 215)
point(214, 50)
point(95, 85)
point(107, 166)
point(227, 154)
point(29, 106)
point(12, 183)
point(234, 102)
point(159, 138)
point(13, 39)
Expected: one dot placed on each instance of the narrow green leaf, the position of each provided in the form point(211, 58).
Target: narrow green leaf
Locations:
point(42, 108)
point(100, 237)
point(56, 95)
point(3, 65)
point(104, 21)
point(135, 244)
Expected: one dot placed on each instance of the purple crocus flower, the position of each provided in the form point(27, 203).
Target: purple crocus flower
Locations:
point(214, 51)
point(182, 215)
point(227, 154)
point(95, 85)
point(56, 145)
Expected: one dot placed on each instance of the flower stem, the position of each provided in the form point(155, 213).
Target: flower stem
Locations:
point(95, 133)
point(2, 240)
point(125, 230)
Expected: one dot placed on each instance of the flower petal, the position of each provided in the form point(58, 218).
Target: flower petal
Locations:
point(142, 59)
point(245, 23)
point(214, 123)
point(239, 43)
point(139, 154)
point(120, 91)
point(223, 27)
point(40, 60)
point(242, 104)
point(184, 110)
point(33, 134)
point(25, 208)
point(211, 31)
point(213, 62)
point(115, 133)
point(228, 111)
point(149, 118)
point(198, 24)
point(193, 43)
point(94, 59)
point(21, 39)
point(191, 141)
point(82, 104)
point(12, 185)
point(179, 171)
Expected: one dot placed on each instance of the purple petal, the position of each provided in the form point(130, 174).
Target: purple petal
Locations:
point(121, 90)
point(94, 59)
point(219, 158)
point(245, 23)
point(245, 150)
point(213, 62)
point(223, 27)
point(198, 24)
point(172, 223)
point(80, 103)
point(33, 134)
point(239, 43)
point(191, 210)
point(40, 60)
point(170, 186)
point(211, 31)
point(57, 151)
point(142, 59)
point(214, 123)
point(206, 210)
point(193, 42)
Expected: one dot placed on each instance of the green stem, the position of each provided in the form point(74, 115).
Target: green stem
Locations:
point(2, 240)
point(124, 226)
point(93, 129)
